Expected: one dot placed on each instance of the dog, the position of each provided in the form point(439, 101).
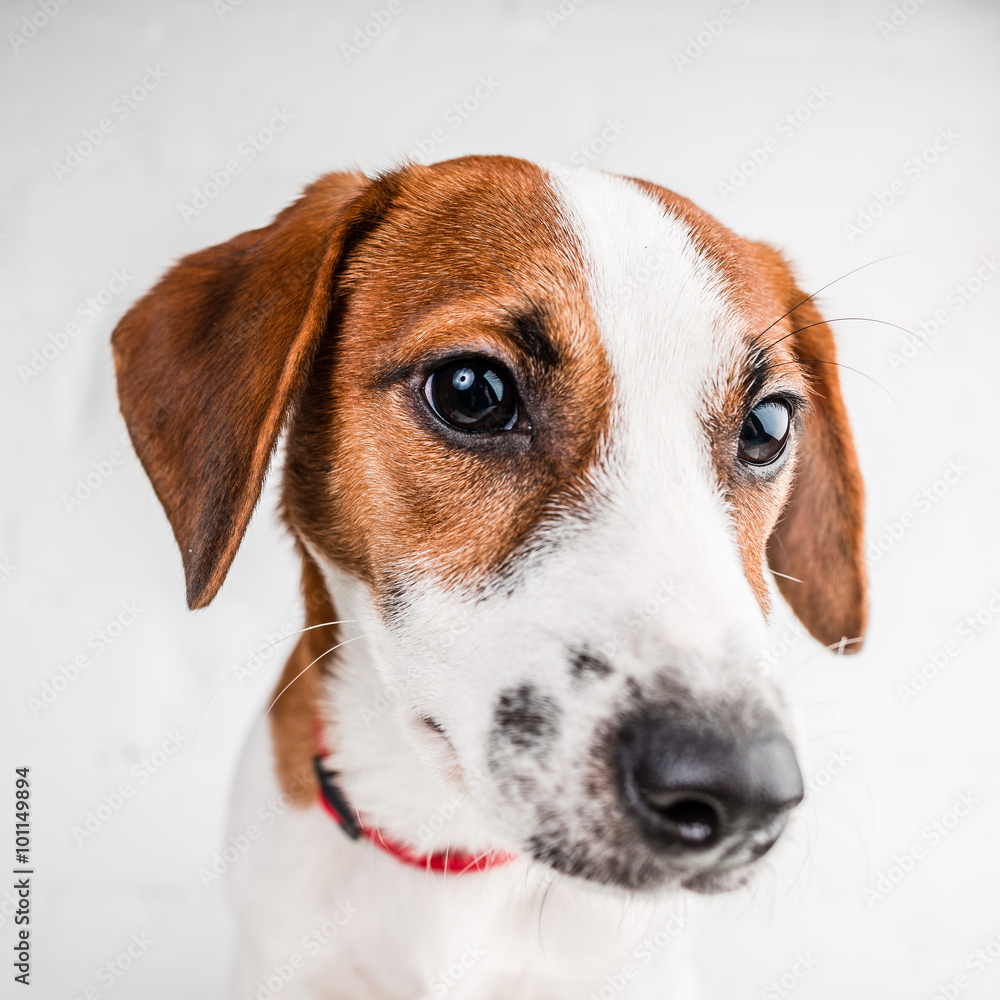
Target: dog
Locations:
point(548, 433)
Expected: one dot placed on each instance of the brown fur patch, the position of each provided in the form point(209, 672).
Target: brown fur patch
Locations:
point(469, 250)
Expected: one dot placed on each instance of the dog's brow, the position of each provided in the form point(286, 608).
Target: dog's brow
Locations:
point(757, 370)
point(529, 332)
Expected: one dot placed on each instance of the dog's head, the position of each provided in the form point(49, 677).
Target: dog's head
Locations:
point(555, 427)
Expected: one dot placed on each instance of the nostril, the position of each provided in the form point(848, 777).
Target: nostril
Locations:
point(697, 823)
point(694, 822)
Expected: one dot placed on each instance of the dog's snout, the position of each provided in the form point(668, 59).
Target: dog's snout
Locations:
point(693, 788)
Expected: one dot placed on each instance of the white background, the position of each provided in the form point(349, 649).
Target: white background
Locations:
point(68, 568)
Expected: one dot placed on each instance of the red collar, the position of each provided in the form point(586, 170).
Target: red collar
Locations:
point(332, 799)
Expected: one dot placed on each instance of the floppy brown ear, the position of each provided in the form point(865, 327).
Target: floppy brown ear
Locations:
point(819, 539)
point(209, 361)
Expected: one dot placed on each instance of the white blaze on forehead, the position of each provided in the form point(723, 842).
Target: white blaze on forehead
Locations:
point(666, 320)
point(671, 334)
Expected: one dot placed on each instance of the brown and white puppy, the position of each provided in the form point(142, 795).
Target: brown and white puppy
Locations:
point(547, 432)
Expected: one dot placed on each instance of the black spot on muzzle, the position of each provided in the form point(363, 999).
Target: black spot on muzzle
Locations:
point(524, 719)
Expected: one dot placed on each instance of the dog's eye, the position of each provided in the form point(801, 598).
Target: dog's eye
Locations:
point(765, 432)
point(473, 395)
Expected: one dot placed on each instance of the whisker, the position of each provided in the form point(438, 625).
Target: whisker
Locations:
point(232, 673)
point(308, 628)
point(871, 263)
point(795, 579)
point(543, 902)
point(833, 647)
point(305, 668)
point(840, 364)
point(860, 319)
point(838, 647)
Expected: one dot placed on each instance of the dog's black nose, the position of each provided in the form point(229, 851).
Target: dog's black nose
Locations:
point(692, 788)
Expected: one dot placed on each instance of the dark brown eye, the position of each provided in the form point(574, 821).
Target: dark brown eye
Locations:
point(473, 395)
point(765, 432)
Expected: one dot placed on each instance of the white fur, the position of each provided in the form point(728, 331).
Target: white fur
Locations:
point(660, 539)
